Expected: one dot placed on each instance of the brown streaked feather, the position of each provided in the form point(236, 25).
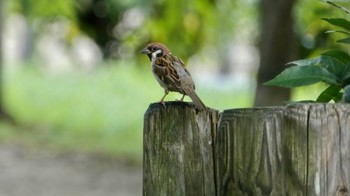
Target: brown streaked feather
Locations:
point(170, 76)
point(171, 73)
point(196, 100)
point(184, 84)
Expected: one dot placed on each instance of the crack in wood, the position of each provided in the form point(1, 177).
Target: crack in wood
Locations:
point(307, 149)
point(300, 149)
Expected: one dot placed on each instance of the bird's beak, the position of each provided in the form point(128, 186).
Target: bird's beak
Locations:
point(145, 51)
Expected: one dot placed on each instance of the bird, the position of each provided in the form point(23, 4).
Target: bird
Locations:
point(171, 74)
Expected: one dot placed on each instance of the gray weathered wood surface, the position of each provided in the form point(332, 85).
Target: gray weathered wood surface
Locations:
point(301, 149)
point(248, 152)
point(324, 165)
point(178, 150)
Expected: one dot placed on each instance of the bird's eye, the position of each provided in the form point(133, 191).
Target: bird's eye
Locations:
point(154, 48)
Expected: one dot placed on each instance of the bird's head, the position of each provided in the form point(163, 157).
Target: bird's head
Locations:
point(155, 50)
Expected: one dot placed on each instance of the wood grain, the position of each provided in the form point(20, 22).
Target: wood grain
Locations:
point(316, 149)
point(299, 149)
point(178, 150)
point(248, 152)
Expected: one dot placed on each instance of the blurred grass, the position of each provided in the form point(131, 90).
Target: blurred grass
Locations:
point(100, 111)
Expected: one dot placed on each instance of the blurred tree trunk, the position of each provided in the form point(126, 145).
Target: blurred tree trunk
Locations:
point(278, 45)
point(3, 113)
point(1, 66)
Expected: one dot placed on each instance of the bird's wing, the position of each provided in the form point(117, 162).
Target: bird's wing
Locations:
point(167, 73)
point(184, 74)
point(178, 78)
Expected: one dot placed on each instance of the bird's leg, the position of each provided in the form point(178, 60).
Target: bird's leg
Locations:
point(182, 98)
point(166, 92)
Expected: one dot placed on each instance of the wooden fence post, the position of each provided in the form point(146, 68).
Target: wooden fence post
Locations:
point(300, 149)
point(178, 150)
point(249, 153)
point(317, 149)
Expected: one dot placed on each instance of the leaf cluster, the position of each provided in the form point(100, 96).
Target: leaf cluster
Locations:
point(331, 67)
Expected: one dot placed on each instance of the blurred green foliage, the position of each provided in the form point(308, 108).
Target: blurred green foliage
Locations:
point(42, 9)
point(121, 27)
point(311, 30)
point(331, 67)
point(100, 111)
point(103, 110)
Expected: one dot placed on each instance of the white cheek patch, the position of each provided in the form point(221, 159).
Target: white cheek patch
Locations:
point(155, 54)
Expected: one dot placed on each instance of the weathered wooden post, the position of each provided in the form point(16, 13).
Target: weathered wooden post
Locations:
point(301, 149)
point(178, 150)
point(316, 149)
point(249, 153)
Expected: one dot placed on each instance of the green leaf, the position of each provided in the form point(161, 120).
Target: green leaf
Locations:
point(331, 93)
point(344, 41)
point(338, 6)
point(338, 31)
point(336, 67)
point(340, 22)
point(338, 54)
point(346, 81)
point(346, 95)
point(338, 97)
point(347, 72)
point(302, 75)
point(306, 62)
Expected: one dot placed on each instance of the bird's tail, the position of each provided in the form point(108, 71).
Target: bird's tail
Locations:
point(196, 100)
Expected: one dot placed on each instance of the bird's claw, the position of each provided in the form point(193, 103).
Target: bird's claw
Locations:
point(162, 102)
point(182, 99)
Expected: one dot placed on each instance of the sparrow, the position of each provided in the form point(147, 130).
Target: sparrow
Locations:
point(171, 74)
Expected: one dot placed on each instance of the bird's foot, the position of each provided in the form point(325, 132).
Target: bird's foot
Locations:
point(162, 102)
point(182, 99)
